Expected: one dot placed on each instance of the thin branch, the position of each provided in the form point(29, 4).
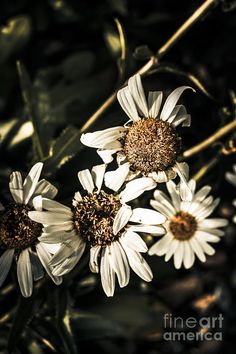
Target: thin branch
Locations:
point(186, 26)
point(199, 13)
point(210, 140)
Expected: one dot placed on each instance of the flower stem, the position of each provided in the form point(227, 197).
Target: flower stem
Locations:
point(204, 169)
point(154, 59)
point(210, 140)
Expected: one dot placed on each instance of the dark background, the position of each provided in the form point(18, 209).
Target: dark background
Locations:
point(70, 61)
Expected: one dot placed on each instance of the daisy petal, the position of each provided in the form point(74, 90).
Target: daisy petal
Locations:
point(154, 103)
point(102, 139)
point(115, 179)
point(45, 258)
point(179, 255)
point(171, 101)
point(5, 264)
point(106, 155)
point(52, 205)
point(136, 187)
point(16, 187)
point(24, 273)
point(139, 265)
point(150, 229)
point(126, 101)
point(31, 181)
point(188, 256)
point(45, 189)
point(37, 269)
point(147, 216)
point(121, 219)
point(161, 247)
point(98, 174)
point(107, 274)
point(86, 180)
point(93, 263)
point(136, 89)
point(119, 263)
point(197, 249)
point(134, 241)
point(48, 217)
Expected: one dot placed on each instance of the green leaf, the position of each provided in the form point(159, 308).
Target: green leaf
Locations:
point(66, 146)
point(24, 314)
point(28, 98)
point(63, 320)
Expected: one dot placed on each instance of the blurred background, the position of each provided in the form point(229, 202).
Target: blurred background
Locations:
point(59, 60)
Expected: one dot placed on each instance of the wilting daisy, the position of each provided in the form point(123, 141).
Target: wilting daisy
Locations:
point(19, 234)
point(188, 228)
point(148, 144)
point(105, 223)
point(231, 178)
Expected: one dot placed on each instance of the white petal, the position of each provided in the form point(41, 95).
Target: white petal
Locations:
point(134, 241)
point(24, 273)
point(93, 263)
point(45, 189)
point(16, 187)
point(104, 139)
point(161, 247)
point(98, 174)
point(208, 249)
point(197, 249)
point(66, 250)
point(38, 203)
point(31, 181)
point(139, 265)
point(182, 170)
point(107, 274)
point(171, 187)
point(172, 248)
point(147, 216)
point(214, 223)
point(69, 263)
point(150, 229)
point(167, 211)
point(231, 178)
point(126, 101)
point(49, 218)
point(136, 187)
point(86, 180)
point(56, 237)
point(45, 258)
point(115, 179)
point(207, 237)
point(5, 264)
point(136, 89)
point(52, 205)
point(202, 193)
point(161, 177)
point(119, 263)
point(179, 255)
point(121, 219)
point(106, 155)
point(171, 101)
point(77, 198)
point(188, 255)
point(154, 103)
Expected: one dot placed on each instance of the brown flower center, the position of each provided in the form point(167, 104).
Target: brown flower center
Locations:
point(17, 230)
point(151, 145)
point(93, 218)
point(183, 225)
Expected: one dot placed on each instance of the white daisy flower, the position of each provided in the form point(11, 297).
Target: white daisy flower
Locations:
point(104, 222)
point(19, 234)
point(231, 178)
point(188, 228)
point(148, 144)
